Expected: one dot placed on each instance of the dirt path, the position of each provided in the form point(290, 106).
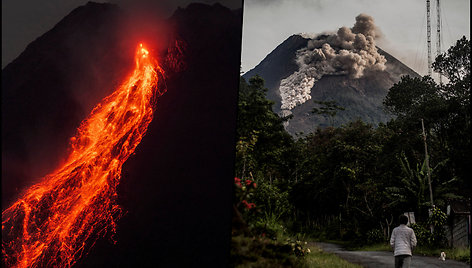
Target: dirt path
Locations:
point(384, 259)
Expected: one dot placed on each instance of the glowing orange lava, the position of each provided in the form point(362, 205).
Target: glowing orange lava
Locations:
point(62, 216)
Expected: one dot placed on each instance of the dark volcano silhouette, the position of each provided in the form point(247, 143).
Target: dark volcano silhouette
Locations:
point(362, 98)
point(176, 189)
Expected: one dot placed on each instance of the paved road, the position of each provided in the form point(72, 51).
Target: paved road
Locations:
point(383, 259)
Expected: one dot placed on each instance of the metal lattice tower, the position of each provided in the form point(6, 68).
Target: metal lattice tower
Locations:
point(428, 31)
point(438, 34)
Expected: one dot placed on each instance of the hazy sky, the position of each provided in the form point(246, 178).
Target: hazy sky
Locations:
point(267, 23)
point(25, 20)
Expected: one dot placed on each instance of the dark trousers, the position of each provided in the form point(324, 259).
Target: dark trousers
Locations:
point(402, 261)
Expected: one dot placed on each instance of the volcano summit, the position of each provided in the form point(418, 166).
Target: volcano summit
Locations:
point(345, 67)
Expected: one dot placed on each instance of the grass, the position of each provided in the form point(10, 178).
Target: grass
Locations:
point(374, 247)
point(247, 252)
point(318, 258)
point(458, 254)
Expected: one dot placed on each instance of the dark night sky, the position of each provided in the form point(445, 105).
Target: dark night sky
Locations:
point(25, 20)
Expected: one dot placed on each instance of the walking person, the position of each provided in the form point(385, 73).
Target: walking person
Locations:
point(403, 241)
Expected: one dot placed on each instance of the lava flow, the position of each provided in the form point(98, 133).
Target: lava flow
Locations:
point(62, 216)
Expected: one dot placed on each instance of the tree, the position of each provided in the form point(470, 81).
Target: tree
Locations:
point(445, 109)
point(454, 64)
point(346, 175)
point(413, 98)
point(329, 108)
point(265, 156)
point(272, 144)
point(412, 186)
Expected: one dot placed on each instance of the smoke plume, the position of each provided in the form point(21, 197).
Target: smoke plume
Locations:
point(350, 51)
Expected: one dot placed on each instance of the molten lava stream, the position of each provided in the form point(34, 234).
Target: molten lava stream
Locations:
point(63, 215)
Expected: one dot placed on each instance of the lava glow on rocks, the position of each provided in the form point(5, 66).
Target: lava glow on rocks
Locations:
point(59, 219)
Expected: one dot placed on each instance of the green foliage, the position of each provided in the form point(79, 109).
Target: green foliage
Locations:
point(414, 98)
point(262, 253)
point(244, 196)
point(271, 199)
point(438, 220)
point(244, 149)
point(262, 153)
point(413, 186)
point(458, 254)
point(437, 217)
point(445, 109)
point(455, 63)
point(299, 248)
point(455, 66)
point(423, 235)
point(414, 183)
point(375, 236)
point(269, 225)
point(437, 238)
point(343, 176)
point(269, 153)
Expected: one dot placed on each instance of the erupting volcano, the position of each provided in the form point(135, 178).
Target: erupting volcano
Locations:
point(62, 216)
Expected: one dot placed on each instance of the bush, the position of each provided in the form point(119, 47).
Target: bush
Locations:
point(437, 239)
point(244, 191)
point(269, 226)
point(438, 220)
point(375, 236)
point(423, 235)
point(271, 200)
point(250, 252)
point(298, 248)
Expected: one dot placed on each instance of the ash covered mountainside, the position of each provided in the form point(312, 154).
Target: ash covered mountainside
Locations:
point(346, 67)
point(176, 188)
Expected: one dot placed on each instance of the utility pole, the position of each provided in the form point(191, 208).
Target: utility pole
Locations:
point(427, 164)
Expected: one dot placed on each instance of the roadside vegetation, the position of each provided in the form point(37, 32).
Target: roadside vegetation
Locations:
point(350, 183)
point(318, 258)
point(459, 254)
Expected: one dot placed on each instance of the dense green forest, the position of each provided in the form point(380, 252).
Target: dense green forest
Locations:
point(351, 182)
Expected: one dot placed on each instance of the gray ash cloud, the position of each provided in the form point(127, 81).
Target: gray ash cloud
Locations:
point(349, 51)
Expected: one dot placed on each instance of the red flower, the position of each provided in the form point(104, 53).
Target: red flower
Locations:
point(237, 181)
point(248, 182)
point(249, 205)
point(254, 184)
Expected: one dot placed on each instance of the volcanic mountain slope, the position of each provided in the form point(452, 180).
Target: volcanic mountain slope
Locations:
point(176, 189)
point(361, 97)
point(49, 89)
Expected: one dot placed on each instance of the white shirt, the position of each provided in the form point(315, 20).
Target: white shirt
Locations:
point(403, 240)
